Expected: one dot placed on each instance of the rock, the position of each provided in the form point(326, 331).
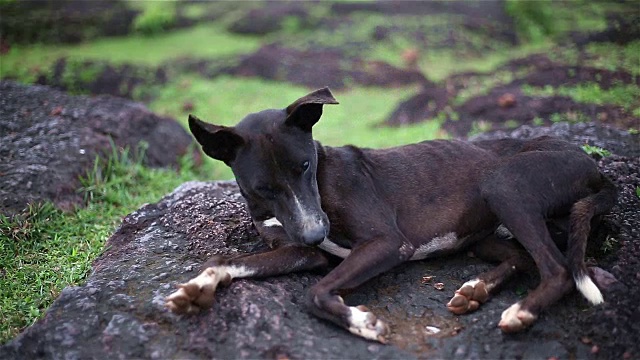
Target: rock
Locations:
point(617, 141)
point(70, 21)
point(102, 78)
point(48, 139)
point(271, 18)
point(321, 67)
point(425, 104)
point(119, 312)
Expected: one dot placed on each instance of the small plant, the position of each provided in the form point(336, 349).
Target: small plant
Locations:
point(534, 19)
point(157, 17)
point(638, 191)
point(595, 150)
point(609, 244)
point(26, 226)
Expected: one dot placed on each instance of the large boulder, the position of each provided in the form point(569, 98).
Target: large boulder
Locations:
point(119, 312)
point(49, 139)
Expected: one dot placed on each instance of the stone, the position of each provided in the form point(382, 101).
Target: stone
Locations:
point(49, 139)
point(119, 312)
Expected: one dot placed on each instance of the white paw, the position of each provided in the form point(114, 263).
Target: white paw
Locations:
point(514, 319)
point(469, 297)
point(198, 293)
point(364, 323)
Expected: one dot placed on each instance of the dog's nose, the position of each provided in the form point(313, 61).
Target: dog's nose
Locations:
point(314, 236)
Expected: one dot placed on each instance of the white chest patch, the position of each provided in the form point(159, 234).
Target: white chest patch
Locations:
point(271, 222)
point(446, 242)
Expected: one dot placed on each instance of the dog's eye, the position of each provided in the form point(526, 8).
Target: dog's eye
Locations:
point(305, 166)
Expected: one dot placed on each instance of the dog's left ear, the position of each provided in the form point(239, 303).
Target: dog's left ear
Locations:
point(306, 111)
point(219, 142)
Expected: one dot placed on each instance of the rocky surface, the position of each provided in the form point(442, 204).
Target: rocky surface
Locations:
point(119, 312)
point(49, 139)
point(68, 21)
point(507, 104)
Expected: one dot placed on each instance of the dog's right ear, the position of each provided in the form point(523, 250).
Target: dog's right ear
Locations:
point(219, 142)
point(306, 111)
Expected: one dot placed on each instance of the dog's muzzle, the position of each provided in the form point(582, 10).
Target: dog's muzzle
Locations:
point(314, 235)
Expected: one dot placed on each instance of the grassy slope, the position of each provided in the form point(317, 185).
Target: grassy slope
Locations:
point(46, 250)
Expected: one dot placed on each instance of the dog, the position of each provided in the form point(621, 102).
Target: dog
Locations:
point(378, 208)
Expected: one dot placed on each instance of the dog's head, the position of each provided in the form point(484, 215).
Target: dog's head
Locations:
point(274, 159)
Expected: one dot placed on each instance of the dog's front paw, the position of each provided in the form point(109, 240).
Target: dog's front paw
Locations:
point(469, 297)
point(515, 319)
point(198, 293)
point(363, 322)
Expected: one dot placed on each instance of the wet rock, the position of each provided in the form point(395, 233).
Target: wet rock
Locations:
point(48, 139)
point(270, 18)
point(102, 78)
point(321, 67)
point(69, 21)
point(426, 104)
point(617, 141)
point(119, 312)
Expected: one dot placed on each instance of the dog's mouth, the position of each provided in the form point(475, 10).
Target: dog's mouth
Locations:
point(313, 236)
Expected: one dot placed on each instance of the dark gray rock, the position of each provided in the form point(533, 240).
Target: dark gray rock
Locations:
point(617, 141)
point(119, 312)
point(49, 139)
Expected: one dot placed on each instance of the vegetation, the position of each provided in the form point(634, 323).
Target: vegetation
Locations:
point(624, 95)
point(595, 150)
point(43, 250)
point(156, 18)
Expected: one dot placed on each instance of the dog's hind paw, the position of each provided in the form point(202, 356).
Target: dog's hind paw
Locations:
point(515, 319)
point(364, 323)
point(469, 297)
point(198, 293)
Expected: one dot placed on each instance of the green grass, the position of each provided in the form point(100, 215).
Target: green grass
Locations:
point(202, 41)
point(353, 121)
point(615, 57)
point(44, 250)
point(591, 150)
point(624, 95)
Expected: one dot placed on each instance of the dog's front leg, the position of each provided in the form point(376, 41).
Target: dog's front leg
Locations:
point(198, 293)
point(363, 263)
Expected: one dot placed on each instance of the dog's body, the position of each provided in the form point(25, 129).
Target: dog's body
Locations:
point(380, 208)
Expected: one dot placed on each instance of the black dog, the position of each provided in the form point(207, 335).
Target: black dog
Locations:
point(380, 208)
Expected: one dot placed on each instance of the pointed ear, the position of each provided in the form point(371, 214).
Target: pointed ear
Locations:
point(306, 111)
point(219, 142)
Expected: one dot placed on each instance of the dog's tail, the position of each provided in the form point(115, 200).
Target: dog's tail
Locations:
point(580, 225)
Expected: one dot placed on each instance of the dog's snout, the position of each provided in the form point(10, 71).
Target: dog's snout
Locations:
point(314, 235)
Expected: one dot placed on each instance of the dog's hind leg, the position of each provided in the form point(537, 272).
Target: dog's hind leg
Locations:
point(365, 261)
point(526, 223)
point(198, 293)
point(580, 224)
point(512, 259)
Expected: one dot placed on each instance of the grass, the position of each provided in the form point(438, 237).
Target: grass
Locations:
point(44, 250)
point(354, 121)
point(201, 41)
point(624, 95)
point(595, 150)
